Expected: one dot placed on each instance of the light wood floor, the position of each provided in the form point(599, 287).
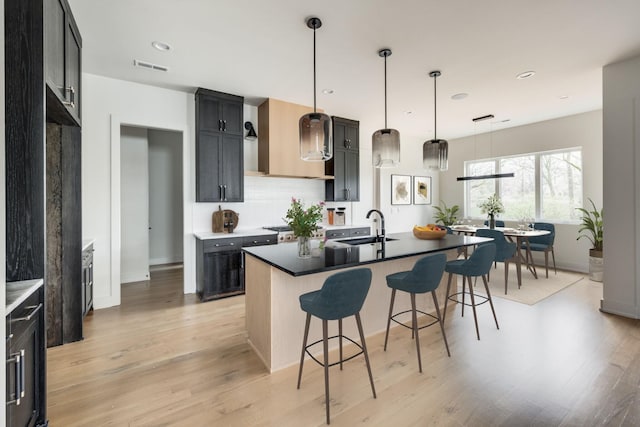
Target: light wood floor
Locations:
point(164, 359)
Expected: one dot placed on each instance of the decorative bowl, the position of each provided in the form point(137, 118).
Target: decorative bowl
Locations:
point(429, 235)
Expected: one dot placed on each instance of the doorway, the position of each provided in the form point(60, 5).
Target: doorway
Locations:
point(151, 201)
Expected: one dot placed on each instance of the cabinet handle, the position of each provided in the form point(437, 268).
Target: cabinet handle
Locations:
point(224, 125)
point(72, 97)
point(348, 194)
point(231, 244)
point(18, 360)
point(220, 192)
point(255, 242)
point(35, 309)
point(224, 193)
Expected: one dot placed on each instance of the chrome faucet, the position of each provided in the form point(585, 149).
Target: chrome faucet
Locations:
point(380, 235)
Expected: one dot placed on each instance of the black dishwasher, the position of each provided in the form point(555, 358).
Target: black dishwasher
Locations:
point(220, 264)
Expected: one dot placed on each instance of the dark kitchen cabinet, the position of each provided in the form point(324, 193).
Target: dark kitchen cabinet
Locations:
point(87, 280)
point(219, 147)
point(25, 362)
point(63, 58)
point(220, 264)
point(345, 164)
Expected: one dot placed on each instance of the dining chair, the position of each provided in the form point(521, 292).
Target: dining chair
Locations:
point(342, 295)
point(505, 253)
point(543, 244)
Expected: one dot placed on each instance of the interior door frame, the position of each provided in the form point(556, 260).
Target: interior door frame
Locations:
point(187, 222)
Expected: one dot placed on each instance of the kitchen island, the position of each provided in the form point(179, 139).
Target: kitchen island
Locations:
point(275, 277)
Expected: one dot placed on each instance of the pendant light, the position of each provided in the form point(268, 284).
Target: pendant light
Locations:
point(385, 142)
point(493, 175)
point(435, 152)
point(315, 128)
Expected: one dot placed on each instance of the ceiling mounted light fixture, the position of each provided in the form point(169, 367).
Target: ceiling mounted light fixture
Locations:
point(315, 128)
point(161, 46)
point(493, 175)
point(435, 152)
point(385, 143)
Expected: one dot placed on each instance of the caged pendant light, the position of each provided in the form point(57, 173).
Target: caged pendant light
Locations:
point(385, 142)
point(435, 152)
point(315, 128)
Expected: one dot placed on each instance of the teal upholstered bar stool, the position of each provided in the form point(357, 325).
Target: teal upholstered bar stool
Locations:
point(424, 277)
point(342, 295)
point(505, 252)
point(478, 264)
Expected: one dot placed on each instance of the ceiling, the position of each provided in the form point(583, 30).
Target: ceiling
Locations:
point(262, 49)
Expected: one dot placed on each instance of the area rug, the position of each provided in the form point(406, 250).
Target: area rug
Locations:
point(533, 290)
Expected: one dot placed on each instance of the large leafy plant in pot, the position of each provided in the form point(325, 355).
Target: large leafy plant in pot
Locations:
point(446, 216)
point(591, 228)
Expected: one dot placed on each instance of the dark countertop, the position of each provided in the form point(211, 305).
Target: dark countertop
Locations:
point(17, 292)
point(284, 256)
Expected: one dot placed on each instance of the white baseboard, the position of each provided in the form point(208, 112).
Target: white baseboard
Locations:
point(166, 260)
point(134, 276)
point(621, 309)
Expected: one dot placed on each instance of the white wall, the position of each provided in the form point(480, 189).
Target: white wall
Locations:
point(621, 105)
point(581, 130)
point(108, 104)
point(165, 197)
point(134, 204)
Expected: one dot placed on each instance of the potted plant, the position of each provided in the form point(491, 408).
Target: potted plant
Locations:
point(592, 228)
point(491, 207)
point(446, 216)
point(303, 222)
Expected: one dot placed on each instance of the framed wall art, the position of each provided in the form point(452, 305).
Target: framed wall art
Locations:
point(400, 189)
point(421, 190)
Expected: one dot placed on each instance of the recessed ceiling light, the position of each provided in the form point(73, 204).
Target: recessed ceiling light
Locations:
point(564, 96)
point(327, 91)
point(459, 96)
point(161, 46)
point(408, 112)
point(525, 75)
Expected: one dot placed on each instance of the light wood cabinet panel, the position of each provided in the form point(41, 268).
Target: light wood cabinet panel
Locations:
point(279, 141)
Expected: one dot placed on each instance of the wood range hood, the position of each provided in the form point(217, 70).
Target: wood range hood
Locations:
point(278, 142)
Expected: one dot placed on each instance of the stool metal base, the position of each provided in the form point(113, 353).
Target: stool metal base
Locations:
point(325, 344)
point(473, 304)
point(414, 322)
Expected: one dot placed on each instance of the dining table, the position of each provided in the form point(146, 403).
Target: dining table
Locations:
point(519, 236)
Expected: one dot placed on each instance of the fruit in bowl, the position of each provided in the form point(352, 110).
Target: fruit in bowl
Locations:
point(429, 232)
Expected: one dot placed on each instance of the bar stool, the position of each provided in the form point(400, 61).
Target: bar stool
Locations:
point(478, 264)
point(342, 295)
point(424, 277)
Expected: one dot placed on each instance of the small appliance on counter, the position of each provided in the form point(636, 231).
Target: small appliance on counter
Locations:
point(224, 221)
point(340, 217)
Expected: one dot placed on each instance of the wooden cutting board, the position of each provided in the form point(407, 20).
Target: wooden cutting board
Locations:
point(224, 221)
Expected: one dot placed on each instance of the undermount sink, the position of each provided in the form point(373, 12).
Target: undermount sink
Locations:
point(363, 240)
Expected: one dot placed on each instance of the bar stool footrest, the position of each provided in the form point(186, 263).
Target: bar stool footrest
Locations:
point(435, 319)
point(484, 299)
point(306, 349)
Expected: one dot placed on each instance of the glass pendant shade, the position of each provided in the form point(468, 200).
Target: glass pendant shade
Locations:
point(315, 137)
point(315, 128)
point(386, 148)
point(435, 154)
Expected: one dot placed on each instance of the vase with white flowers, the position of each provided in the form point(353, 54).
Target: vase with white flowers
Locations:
point(492, 206)
point(303, 223)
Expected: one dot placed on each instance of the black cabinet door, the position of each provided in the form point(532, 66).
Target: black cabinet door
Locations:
point(352, 137)
point(208, 185)
point(232, 117)
point(223, 275)
point(73, 71)
point(209, 113)
point(232, 173)
point(55, 24)
point(352, 175)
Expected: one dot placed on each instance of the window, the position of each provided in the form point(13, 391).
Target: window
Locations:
point(547, 185)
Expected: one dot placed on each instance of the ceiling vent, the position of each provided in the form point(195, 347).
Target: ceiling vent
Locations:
point(150, 66)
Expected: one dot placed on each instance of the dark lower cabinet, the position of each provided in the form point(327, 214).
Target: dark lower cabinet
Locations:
point(220, 265)
point(25, 370)
point(87, 280)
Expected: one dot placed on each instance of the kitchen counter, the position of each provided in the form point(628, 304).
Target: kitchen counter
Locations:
point(340, 255)
point(275, 278)
point(17, 292)
point(239, 232)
